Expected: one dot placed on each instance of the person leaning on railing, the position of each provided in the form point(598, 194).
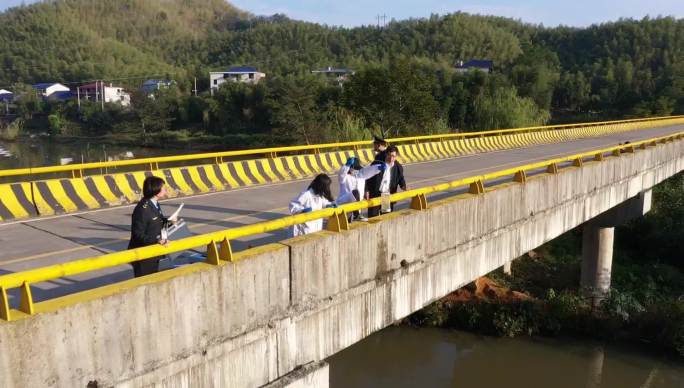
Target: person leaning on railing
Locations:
point(388, 181)
point(147, 224)
point(316, 197)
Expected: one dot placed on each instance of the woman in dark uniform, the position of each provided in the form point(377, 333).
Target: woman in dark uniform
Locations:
point(147, 223)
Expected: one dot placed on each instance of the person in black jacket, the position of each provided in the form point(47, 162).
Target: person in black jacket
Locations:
point(147, 223)
point(380, 148)
point(389, 180)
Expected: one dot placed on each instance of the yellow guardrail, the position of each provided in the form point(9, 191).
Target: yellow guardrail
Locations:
point(77, 170)
point(218, 243)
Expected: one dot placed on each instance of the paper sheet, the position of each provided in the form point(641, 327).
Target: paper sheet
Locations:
point(175, 214)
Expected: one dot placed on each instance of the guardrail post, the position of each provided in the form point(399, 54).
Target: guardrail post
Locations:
point(4, 305)
point(630, 149)
point(552, 169)
point(26, 301)
point(642, 146)
point(520, 177)
point(598, 157)
point(226, 250)
point(616, 152)
point(338, 222)
point(212, 253)
point(419, 202)
point(578, 162)
point(222, 251)
point(476, 187)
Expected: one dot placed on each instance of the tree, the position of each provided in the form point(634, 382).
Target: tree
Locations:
point(505, 109)
point(396, 99)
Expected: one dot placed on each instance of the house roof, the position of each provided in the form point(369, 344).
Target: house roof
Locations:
point(96, 85)
point(61, 95)
point(242, 69)
point(485, 64)
point(342, 70)
point(45, 85)
point(4, 91)
point(155, 82)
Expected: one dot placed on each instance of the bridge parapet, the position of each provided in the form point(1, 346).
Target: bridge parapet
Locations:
point(248, 321)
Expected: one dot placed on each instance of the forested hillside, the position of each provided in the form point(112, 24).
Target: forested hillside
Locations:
point(404, 82)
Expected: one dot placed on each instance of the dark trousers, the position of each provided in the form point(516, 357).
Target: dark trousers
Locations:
point(355, 214)
point(375, 210)
point(145, 267)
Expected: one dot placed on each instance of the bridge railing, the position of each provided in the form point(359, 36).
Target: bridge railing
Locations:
point(82, 169)
point(218, 243)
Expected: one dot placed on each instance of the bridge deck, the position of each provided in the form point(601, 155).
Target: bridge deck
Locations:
point(38, 242)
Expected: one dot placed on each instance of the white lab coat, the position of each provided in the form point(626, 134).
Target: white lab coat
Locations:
point(306, 199)
point(354, 181)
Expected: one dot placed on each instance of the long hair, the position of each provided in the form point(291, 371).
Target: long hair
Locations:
point(152, 186)
point(321, 186)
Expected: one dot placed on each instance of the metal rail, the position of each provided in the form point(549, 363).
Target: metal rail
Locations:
point(77, 170)
point(218, 243)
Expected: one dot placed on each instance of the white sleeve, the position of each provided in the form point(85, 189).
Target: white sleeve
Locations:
point(368, 171)
point(300, 203)
point(343, 172)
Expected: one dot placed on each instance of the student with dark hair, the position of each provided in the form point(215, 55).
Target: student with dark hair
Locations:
point(390, 178)
point(147, 223)
point(316, 197)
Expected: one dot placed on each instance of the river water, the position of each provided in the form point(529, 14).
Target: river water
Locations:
point(405, 357)
point(43, 152)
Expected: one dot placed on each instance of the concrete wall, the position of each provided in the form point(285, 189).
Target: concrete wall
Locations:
point(290, 304)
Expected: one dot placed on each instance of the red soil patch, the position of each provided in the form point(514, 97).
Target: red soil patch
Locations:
point(485, 289)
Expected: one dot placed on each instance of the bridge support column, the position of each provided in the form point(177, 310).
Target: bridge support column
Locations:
point(597, 260)
point(507, 268)
point(597, 244)
point(314, 375)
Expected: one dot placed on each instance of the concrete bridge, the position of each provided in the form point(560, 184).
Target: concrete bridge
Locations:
point(270, 315)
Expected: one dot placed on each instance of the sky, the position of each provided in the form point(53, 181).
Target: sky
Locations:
point(350, 13)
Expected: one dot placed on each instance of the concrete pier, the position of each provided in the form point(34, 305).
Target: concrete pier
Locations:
point(597, 260)
point(598, 236)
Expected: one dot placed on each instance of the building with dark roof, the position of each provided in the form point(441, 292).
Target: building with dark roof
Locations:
point(47, 88)
point(245, 74)
point(150, 85)
point(474, 64)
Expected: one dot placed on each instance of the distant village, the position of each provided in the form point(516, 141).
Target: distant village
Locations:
point(107, 92)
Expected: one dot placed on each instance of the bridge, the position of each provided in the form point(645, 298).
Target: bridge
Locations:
point(265, 309)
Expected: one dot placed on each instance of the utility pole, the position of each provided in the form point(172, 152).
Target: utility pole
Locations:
point(103, 94)
point(78, 96)
point(195, 90)
point(378, 17)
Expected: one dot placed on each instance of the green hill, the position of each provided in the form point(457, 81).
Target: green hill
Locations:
point(84, 39)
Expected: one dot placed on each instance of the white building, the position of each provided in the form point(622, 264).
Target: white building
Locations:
point(246, 74)
point(112, 94)
point(48, 88)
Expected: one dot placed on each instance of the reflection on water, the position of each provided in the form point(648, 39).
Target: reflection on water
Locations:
point(406, 357)
point(42, 152)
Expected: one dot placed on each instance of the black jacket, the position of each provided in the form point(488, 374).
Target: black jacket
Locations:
point(396, 180)
point(146, 224)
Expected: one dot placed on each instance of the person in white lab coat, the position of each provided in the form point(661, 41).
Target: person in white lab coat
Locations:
point(316, 197)
point(352, 179)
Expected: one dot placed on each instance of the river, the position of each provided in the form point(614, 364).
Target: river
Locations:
point(407, 357)
point(43, 152)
